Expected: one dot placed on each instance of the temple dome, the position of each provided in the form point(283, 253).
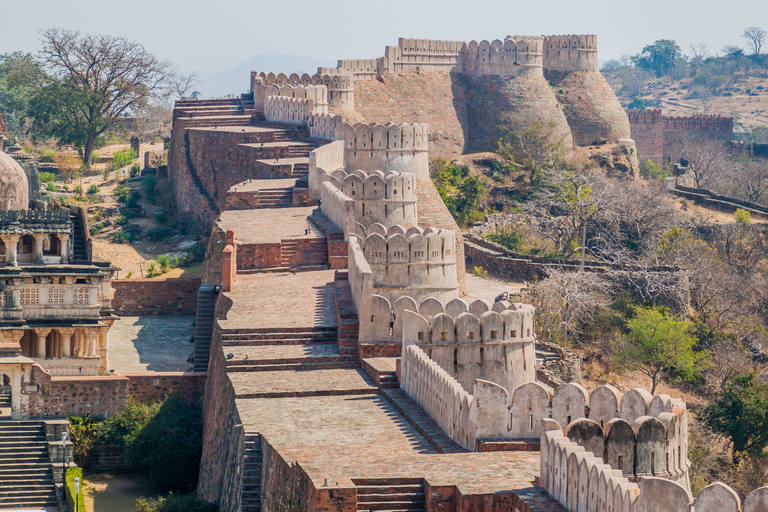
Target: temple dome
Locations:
point(14, 189)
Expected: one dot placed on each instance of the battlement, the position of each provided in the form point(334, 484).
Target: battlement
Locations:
point(340, 87)
point(513, 57)
point(571, 53)
point(360, 69)
point(699, 122)
point(646, 116)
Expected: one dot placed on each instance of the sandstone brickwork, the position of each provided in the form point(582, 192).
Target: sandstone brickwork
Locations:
point(155, 297)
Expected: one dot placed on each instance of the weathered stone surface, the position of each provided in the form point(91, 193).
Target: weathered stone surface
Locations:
point(14, 189)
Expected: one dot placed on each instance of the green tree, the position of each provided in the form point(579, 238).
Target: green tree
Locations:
point(659, 57)
point(637, 103)
point(90, 81)
point(741, 413)
point(15, 68)
point(657, 342)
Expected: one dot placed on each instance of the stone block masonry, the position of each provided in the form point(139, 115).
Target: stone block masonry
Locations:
point(155, 297)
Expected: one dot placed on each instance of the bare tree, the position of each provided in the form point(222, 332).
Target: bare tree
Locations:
point(707, 160)
point(746, 179)
point(699, 52)
point(92, 80)
point(755, 37)
point(182, 84)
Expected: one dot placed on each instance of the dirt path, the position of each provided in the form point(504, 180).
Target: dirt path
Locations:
point(116, 493)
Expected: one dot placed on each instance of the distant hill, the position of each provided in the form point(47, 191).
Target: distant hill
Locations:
point(235, 81)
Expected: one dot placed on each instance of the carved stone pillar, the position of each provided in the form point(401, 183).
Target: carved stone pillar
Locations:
point(66, 340)
point(39, 241)
point(42, 334)
point(11, 248)
point(93, 341)
point(64, 252)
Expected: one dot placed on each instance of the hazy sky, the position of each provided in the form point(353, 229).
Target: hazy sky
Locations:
point(218, 35)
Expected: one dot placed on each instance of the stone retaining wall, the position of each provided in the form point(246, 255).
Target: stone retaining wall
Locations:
point(155, 297)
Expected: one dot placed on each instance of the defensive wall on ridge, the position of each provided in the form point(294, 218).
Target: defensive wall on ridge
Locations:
point(659, 137)
point(582, 480)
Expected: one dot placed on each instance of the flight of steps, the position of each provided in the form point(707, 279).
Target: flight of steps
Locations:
point(327, 359)
point(252, 465)
point(204, 317)
point(5, 400)
point(391, 494)
point(79, 250)
point(26, 478)
point(300, 169)
point(278, 336)
point(316, 254)
point(275, 198)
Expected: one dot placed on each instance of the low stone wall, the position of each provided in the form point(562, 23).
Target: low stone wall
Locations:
point(94, 397)
point(155, 297)
point(154, 386)
point(721, 203)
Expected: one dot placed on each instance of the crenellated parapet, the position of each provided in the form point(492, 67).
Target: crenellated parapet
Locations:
point(407, 262)
point(396, 147)
point(699, 122)
point(518, 56)
point(423, 55)
point(497, 346)
point(571, 53)
point(340, 86)
point(644, 116)
point(294, 104)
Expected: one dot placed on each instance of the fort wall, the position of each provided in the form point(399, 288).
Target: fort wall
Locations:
point(155, 297)
point(582, 480)
point(392, 147)
point(571, 53)
point(495, 346)
point(659, 138)
point(323, 160)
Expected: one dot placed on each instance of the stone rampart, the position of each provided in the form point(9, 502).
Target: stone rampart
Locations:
point(322, 161)
point(475, 341)
point(339, 208)
point(519, 56)
point(150, 387)
point(324, 126)
point(155, 297)
point(394, 147)
point(407, 262)
point(582, 480)
point(660, 138)
point(387, 199)
point(571, 53)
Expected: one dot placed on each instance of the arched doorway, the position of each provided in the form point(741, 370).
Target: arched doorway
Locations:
point(26, 344)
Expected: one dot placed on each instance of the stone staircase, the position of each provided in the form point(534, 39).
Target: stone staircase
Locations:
point(275, 198)
point(278, 336)
point(5, 400)
point(79, 249)
point(26, 477)
point(292, 358)
point(391, 494)
point(250, 496)
point(301, 169)
point(316, 254)
point(204, 317)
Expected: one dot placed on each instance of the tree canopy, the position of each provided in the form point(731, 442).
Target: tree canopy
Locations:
point(659, 342)
point(659, 57)
point(84, 83)
point(741, 413)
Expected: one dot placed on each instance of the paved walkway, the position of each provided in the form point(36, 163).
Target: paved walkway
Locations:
point(150, 344)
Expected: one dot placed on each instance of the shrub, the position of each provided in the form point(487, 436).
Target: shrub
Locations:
point(106, 173)
point(481, 272)
point(133, 200)
point(128, 275)
point(50, 187)
point(123, 158)
point(135, 170)
point(150, 188)
point(507, 237)
point(122, 220)
point(162, 217)
point(164, 262)
point(79, 190)
point(742, 216)
point(46, 177)
point(73, 473)
point(122, 193)
point(174, 503)
point(122, 237)
point(46, 155)
point(93, 189)
point(152, 269)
